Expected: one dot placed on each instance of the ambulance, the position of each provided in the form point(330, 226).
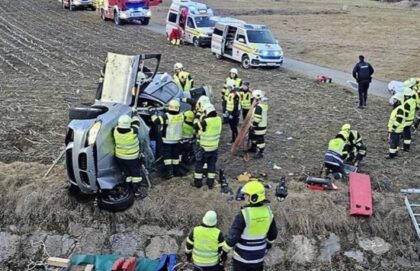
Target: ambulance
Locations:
point(194, 20)
point(251, 44)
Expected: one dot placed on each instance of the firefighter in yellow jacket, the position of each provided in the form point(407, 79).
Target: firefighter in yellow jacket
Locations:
point(246, 99)
point(409, 106)
point(204, 245)
point(183, 78)
point(232, 81)
point(258, 127)
point(396, 125)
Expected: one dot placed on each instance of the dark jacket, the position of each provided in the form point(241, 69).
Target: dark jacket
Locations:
point(363, 71)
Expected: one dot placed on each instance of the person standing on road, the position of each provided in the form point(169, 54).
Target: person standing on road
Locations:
point(362, 72)
point(253, 230)
point(204, 245)
point(127, 151)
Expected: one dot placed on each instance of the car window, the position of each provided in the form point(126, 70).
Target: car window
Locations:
point(172, 17)
point(166, 92)
point(260, 36)
point(190, 23)
point(241, 37)
point(204, 21)
point(218, 32)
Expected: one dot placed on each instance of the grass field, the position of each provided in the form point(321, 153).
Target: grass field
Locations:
point(333, 33)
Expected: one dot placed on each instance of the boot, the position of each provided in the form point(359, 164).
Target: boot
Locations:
point(259, 155)
point(210, 183)
point(253, 148)
point(178, 172)
point(198, 183)
point(168, 174)
point(406, 147)
point(140, 190)
point(391, 156)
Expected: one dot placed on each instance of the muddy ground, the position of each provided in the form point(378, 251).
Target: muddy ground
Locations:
point(49, 62)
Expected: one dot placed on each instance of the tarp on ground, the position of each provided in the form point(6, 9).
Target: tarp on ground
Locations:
point(104, 262)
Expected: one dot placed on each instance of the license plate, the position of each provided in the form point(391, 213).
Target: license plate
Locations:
point(136, 14)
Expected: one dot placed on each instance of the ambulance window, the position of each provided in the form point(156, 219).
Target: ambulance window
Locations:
point(241, 38)
point(190, 23)
point(218, 32)
point(172, 17)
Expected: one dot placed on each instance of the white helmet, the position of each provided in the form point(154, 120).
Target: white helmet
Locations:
point(257, 94)
point(409, 92)
point(202, 101)
point(410, 82)
point(208, 108)
point(124, 122)
point(234, 70)
point(178, 66)
point(398, 97)
point(174, 105)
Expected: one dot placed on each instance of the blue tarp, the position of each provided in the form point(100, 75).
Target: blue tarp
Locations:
point(104, 262)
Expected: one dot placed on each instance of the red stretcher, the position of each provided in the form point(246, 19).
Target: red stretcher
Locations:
point(360, 194)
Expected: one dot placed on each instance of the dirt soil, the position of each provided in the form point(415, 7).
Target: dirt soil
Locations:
point(49, 62)
point(332, 33)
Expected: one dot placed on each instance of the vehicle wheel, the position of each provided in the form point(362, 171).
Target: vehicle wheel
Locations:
point(218, 56)
point(86, 113)
point(71, 6)
point(145, 21)
point(93, 8)
point(103, 17)
point(246, 63)
point(116, 200)
point(62, 4)
point(117, 19)
point(196, 43)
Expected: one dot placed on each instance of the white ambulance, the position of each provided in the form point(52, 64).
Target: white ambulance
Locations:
point(251, 44)
point(194, 19)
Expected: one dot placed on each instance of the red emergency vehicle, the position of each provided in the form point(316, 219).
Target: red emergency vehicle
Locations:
point(121, 11)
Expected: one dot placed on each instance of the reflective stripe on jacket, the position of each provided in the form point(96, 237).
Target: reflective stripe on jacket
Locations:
point(246, 99)
point(183, 80)
point(259, 121)
point(173, 128)
point(209, 138)
point(396, 121)
point(126, 145)
point(409, 111)
point(206, 246)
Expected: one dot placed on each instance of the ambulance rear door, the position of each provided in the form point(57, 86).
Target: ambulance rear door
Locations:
point(218, 39)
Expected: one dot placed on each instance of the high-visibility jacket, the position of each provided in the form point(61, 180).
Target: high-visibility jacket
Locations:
point(233, 102)
point(206, 243)
point(126, 144)
point(409, 111)
point(172, 127)
point(237, 83)
point(337, 145)
point(210, 136)
point(187, 130)
point(183, 79)
point(246, 99)
point(396, 121)
point(252, 245)
point(259, 121)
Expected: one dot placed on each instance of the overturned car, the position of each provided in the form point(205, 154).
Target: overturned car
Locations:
point(129, 85)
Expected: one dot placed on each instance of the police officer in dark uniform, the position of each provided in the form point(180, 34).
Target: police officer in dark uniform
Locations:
point(362, 72)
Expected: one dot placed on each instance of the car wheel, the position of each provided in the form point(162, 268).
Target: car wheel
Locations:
point(196, 43)
point(117, 19)
point(145, 21)
point(116, 200)
point(71, 6)
point(62, 4)
point(86, 113)
point(103, 17)
point(246, 63)
point(93, 8)
point(218, 56)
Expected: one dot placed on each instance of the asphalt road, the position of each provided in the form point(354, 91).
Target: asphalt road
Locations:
point(377, 87)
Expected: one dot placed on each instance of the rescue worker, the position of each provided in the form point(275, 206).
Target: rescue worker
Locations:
point(183, 78)
point(231, 81)
point(414, 84)
point(127, 152)
point(409, 106)
point(171, 122)
point(333, 158)
point(354, 150)
point(246, 99)
point(396, 125)
point(204, 245)
point(209, 130)
point(233, 110)
point(175, 35)
point(258, 127)
point(253, 230)
point(188, 135)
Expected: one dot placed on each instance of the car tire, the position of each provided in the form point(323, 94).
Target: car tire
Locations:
point(62, 4)
point(117, 19)
point(218, 56)
point(108, 201)
point(103, 17)
point(92, 8)
point(196, 42)
point(71, 6)
point(245, 63)
point(145, 21)
point(85, 113)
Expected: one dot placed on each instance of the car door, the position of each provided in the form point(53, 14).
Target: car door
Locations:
point(239, 45)
point(189, 30)
point(218, 39)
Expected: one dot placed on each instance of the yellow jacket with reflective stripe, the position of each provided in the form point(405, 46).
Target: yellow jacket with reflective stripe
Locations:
point(396, 121)
point(336, 145)
point(409, 111)
point(230, 101)
point(187, 81)
point(209, 139)
point(174, 125)
point(246, 99)
point(259, 121)
point(238, 82)
point(187, 130)
point(206, 246)
point(126, 145)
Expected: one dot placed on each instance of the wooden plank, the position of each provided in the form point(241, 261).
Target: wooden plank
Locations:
point(59, 262)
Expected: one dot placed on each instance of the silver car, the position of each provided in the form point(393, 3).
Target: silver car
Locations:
point(91, 166)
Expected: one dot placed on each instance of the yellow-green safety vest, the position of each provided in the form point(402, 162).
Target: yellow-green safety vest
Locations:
point(393, 124)
point(206, 246)
point(187, 130)
point(186, 76)
point(336, 145)
point(230, 102)
point(209, 139)
point(246, 99)
point(261, 119)
point(253, 243)
point(126, 145)
point(410, 111)
point(237, 83)
point(174, 125)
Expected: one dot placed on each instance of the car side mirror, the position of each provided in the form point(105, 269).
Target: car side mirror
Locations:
point(242, 40)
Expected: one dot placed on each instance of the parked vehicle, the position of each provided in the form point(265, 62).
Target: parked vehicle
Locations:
point(74, 4)
point(194, 19)
point(250, 44)
point(90, 162)
point(122, 11)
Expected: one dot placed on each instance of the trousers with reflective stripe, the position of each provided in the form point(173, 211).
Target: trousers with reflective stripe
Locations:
point(253, 244)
